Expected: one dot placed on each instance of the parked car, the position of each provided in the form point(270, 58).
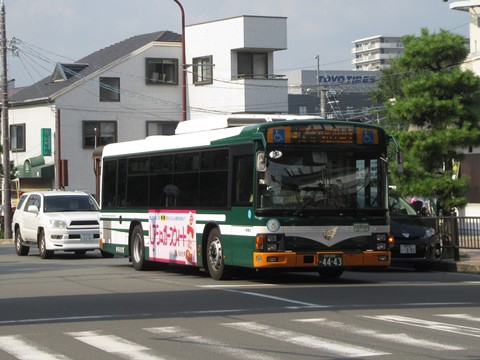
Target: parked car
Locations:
point(2, 215)
point(415, 242)
point(56, 220)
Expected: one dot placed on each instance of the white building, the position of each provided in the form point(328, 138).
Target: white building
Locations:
point(469, 165)
point(472, 7)
point(133, 89)
point(232, 66)
point(375, 52)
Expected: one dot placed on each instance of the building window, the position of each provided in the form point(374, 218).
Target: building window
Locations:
point(161, 127)
point(17, 137)
point(109, 89)
point(203, 70)
point(161, 71)
point(252, 65)
point(302, 110)
point(99, 133)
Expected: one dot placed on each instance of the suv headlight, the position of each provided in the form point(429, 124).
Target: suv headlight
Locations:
point(58, 224)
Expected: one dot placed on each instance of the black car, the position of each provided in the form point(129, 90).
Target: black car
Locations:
point(415, 241)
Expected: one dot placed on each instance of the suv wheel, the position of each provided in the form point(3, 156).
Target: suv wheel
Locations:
point(42, 247)
point(20, 249)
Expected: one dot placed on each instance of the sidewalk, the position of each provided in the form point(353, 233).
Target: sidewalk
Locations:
point(470, 263)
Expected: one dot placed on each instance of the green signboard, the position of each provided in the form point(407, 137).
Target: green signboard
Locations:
point(46, 142)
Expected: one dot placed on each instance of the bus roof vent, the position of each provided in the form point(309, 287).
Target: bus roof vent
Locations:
point(225, 121)
point(217, 122)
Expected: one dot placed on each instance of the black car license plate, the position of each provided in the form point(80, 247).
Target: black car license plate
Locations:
point(330, 260)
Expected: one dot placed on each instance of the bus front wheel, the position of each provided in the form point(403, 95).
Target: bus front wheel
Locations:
point(215, 260)
point(138, 249)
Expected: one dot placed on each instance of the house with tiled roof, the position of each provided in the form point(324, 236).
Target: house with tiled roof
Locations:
point(133, 89)
point(124, 91)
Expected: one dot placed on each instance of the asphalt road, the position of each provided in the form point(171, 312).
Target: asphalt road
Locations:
point(88, 307)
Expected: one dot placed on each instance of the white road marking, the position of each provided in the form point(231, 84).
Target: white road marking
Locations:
point(461, 317)
point(313, 342)
point(23, 350)
point(296, 302)
point(397, 338)
point(115, 345)
point(450, 328)
point(213, 345)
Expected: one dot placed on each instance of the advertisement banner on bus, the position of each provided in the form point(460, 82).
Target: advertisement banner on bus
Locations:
point(172, 236)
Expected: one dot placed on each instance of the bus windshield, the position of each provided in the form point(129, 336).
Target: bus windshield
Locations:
point(302, 182)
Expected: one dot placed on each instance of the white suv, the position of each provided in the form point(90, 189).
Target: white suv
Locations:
point(56, 220)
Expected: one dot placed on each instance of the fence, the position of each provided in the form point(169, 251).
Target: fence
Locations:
point(457, 232)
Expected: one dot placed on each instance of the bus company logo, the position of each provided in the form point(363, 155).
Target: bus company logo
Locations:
point(329, 234)
point(273, 225)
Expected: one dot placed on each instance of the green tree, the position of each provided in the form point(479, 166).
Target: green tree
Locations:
point(432, 107)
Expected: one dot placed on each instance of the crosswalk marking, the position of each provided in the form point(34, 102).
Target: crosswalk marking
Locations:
point(460, 317)
point(398, 338)
point(313, 342)
point(213, 345)
point(23, 350)
point(114, 345)
point(456, 329)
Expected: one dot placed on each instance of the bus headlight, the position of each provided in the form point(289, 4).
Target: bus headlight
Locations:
point(269, 242)
point(380, 237)
point(381, 242)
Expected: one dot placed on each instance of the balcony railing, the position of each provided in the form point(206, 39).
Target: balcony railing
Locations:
point(258, 76)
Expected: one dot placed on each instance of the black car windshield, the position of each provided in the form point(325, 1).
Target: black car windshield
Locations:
point(69, 203)
point(303, 180)
point(399, 206)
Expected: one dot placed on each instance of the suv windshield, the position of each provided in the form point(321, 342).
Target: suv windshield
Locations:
point(69, 203)
point(306, 180)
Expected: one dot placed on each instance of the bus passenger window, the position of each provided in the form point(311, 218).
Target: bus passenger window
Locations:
point(171, 194)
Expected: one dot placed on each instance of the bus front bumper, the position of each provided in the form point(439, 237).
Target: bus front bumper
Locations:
point(295, 260)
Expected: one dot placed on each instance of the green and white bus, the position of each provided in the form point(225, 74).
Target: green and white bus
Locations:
point(250, 192)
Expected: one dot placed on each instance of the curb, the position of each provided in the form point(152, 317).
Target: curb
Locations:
point(6, 241)
point(452, 266)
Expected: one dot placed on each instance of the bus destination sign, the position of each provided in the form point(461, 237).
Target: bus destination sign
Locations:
point(322, 134)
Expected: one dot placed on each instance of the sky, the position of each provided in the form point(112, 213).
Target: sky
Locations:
point(51, 31)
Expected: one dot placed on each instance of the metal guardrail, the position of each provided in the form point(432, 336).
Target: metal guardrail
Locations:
point(456, 232)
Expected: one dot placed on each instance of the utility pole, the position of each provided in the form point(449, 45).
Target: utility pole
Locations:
point(7, 195)
point(184, 65)
point(321, 93)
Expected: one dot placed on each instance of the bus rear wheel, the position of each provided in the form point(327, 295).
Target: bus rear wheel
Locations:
point(215, 260)
point(137, 249)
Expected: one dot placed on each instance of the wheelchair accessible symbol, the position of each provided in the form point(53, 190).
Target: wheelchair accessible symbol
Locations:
point(279, 135)
point(367, 137)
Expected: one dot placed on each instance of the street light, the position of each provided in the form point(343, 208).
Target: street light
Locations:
point(184, 72)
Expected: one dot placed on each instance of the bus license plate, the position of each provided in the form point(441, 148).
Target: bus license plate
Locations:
point(330, 260)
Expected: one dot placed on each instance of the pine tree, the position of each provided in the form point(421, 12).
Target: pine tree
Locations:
point(432, 107)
